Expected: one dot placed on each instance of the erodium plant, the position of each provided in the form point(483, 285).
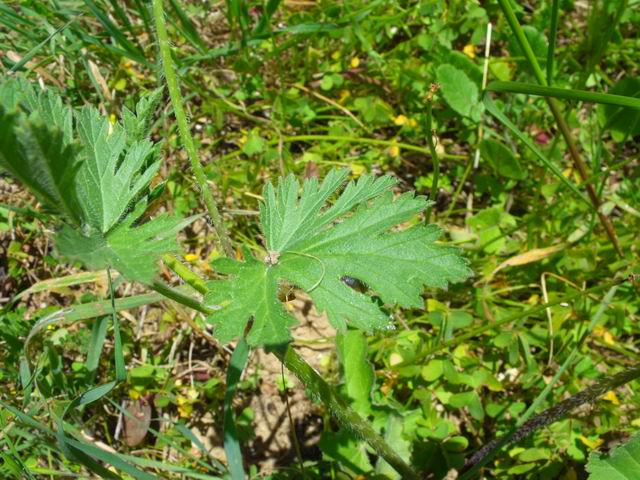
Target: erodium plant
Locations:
point(93, 177)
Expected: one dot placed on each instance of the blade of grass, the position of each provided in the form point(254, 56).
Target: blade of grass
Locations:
point(187, 28)
point(510, 16)
point(121, 372)
point(143, 13)
point(98, 336)
point(495, 111)
point(433, 193)
point(31, 53)
point(264, 24)
point(553, 34)
point(565, 93)
point(121, 14)
point(61, 282)
point(601, 26)
point(231, 443)
point(115, 32)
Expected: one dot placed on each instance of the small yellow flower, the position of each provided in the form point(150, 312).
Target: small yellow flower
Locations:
point(243, 138)
point(592, 444)
point(469, 50)
point(611, 397)
point(355, 62)
point(336, 55)
point(394, 151)
point(191, 257)
point(401, 120)
point(134, 394)
point(112, 118)
point(608, 338)
point(185, 410)
point(357, 169)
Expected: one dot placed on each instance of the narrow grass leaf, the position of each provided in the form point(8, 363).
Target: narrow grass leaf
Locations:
point(565, 93)
point(231, 443)
point(94, 349)
point(502, 118)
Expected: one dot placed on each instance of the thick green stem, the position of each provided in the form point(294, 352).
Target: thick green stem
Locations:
point(579, 163)
point(183, 127)
point(344, 414)
point(179, 297)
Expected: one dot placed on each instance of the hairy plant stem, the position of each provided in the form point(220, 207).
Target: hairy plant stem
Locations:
point(579, 163)
point(552, 414)
point(523, 426)
point(344, 414)
point(183, 127)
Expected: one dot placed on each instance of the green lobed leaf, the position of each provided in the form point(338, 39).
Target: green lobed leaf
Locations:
point(110, 180)
point(623, 463)
point(250, 293)
point(132, 250)
point(95, 174)
point(138, 124)
point(315, 249)
point(37, 155)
